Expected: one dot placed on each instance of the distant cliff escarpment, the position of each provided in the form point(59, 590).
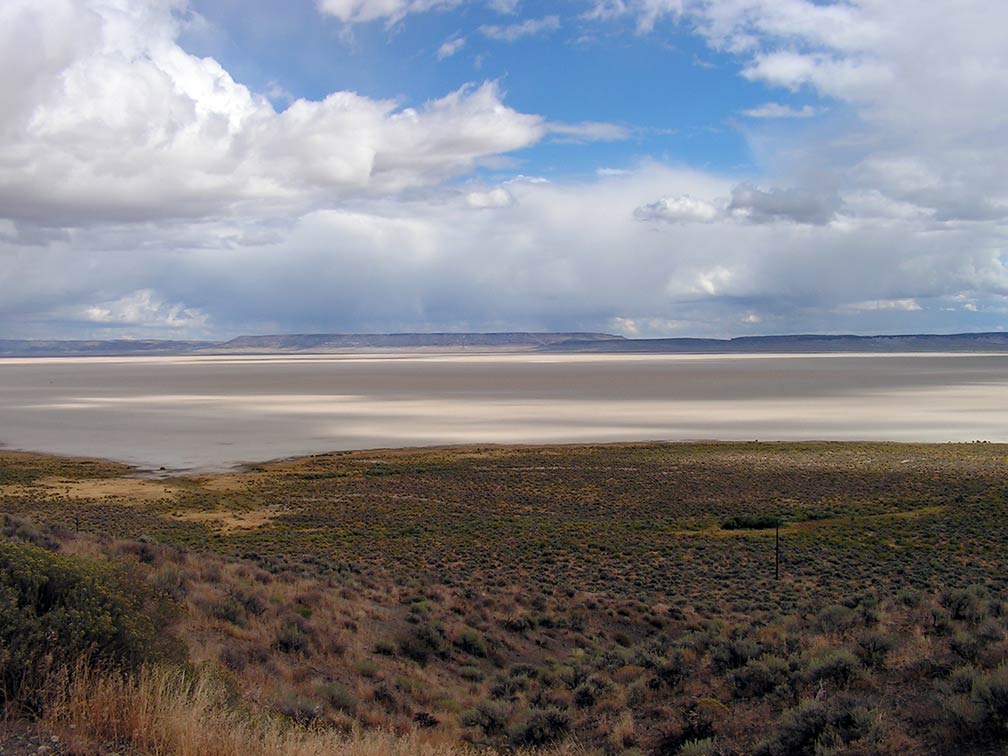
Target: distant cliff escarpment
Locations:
point(798, 344)
point(98, 347)
point(316, 342)
point(573, 342)
point(304, 342)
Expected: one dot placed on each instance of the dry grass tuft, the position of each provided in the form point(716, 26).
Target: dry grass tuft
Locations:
point(168, 712)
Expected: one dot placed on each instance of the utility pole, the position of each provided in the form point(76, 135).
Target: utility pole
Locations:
point(777, 552)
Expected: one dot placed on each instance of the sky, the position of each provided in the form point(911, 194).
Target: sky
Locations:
point(209, 168)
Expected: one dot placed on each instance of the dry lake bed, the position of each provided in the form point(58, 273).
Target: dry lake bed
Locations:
point(210, 413)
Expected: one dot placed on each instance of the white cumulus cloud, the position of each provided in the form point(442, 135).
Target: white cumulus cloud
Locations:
point(360, 11)
point(117, 122)
point(777, 110)
point(942, 117)
point(450, 46)
point(684, 209)
point(493, 199)
point(589, 131)
point(144, 308)
point(904, 305)
point(527, 28)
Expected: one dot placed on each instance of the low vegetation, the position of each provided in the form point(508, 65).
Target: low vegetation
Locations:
point(59, 610)
point(597, 600)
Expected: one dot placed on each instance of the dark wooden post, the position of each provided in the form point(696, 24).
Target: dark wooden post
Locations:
point(777, 553)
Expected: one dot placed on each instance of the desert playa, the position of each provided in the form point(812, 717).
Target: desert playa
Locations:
point(211, 413)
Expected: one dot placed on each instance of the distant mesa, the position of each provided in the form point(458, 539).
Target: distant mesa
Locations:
point(343, 341)
point(98, 348)
point(996, 341)
point(306, 343)
point(572, 342)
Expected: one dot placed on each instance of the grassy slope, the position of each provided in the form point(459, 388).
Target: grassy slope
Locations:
point(471, 589)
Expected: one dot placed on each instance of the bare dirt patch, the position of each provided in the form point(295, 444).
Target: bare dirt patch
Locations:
point(97, 488)
point(229, 522)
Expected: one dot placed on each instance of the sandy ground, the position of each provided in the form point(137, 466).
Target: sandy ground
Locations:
point(135, 489)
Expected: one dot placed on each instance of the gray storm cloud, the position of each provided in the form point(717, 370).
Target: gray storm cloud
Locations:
point(748, 204)
point(765, 206)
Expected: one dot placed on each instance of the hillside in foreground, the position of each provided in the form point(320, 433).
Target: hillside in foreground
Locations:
point(613, 599)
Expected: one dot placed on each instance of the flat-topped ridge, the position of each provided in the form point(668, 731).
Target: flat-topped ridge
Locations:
point(571, 342)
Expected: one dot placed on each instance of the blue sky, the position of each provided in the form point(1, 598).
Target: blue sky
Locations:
point(205, 168)
point(579, 71)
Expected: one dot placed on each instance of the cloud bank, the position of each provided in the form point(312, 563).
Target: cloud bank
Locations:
point(118, 123)
point(145, 191)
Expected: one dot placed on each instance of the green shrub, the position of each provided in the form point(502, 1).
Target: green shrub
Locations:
point(171, 581)
point(941, 621)
point(249, 601)
point(750, 522)
point(961, 679)
point(293, 636)
point(837, 618)
point(811, 724)
point(57, 610)
point(229, 609)
point(339, 697)
point(489, 716)
point(423, 641)
point(836, 665)
point(704, 747)
point(507, 686)
point(528, 671)
point(874, 647)
point(518, 624)
point(471, 673)
point(20, 529)
point(965, 603)
point(991, 631)
point(965, 646)
point(760, 677)
point(961, 715)
point(908, 597)
point(234, 657)
point(980, 710)
point(869, 609)
point(472, 643)
point(728, 655)
point(540, 728)
point(300, 709)
point(366, 668)
point(592, 690)
point(674, 669)
point(989, 697)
